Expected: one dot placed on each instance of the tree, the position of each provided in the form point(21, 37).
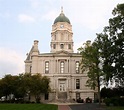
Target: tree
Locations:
point(1, 88)
point(13, 85)
point(45, 85)
point(23, 85)
point(106, 55)
point(39, 85)
point(7, 85)
point(91, 63)
point(116, 32)
point(112, 48)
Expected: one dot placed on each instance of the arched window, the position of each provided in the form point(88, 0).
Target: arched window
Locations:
point(77, 66)
point(47, 67)
point(62, 46)
point(62, 67)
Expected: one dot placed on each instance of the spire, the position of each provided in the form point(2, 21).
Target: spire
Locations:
point(61, 9)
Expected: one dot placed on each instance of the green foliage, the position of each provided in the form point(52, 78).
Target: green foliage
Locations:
point(88, 100)
point(39, 85)
point(115, 101)
point(90, 64)
point(112, 46)
point(8, 85)
point(24, 84)
point(28, 107)
point(115, 108)
point(107, 102)
point(103, 60)
point(106, 55)
point(112, 92)
point(106, 93)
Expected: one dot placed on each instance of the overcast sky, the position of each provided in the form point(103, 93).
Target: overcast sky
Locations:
point(23, 21)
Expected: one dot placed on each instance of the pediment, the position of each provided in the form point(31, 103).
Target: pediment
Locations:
point(62, 52)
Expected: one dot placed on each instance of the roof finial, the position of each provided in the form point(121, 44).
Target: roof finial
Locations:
point(61, 9)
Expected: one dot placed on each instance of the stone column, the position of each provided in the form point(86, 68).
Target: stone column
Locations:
point(68, 66)
point(56, 83)
point(68, 95)
point(56, 66)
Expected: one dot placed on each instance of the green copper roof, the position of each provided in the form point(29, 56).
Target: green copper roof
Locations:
point(62, 18)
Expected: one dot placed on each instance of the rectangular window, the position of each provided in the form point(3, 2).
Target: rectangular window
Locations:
point(55, 37)
point(77, 95)
point(69, 46)
point(46, 97)
point(54, 46)
point(30, 68)
point(46, 67)
point(62, 67)
point(77, 83)
point(77, 66)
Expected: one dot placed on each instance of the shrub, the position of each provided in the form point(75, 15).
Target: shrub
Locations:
point(88, 100)
point(96, 100)
point(32, 102)
point(80, 100)
point(107, 101)
point(115, 101)
point(121, 102)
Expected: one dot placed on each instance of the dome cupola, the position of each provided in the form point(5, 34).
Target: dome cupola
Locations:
point(62, 18)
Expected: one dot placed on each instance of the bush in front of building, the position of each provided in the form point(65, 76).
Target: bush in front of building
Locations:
point(88, 100)
point(107, 101)
point(115, 101)
point(80, 100)
point(96, 101)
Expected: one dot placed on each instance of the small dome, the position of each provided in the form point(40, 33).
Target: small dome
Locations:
point(62, 18)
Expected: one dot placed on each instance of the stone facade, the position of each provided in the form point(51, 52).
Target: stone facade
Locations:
point(61, 65)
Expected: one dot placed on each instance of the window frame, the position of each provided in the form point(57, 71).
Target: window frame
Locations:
point(77, 95)
point(69, 46)
point(62, 66)
point(46, 66)
point(61, 46)
point(30, 69)
point(77, 66)
point(77, 83)
point(54, 46)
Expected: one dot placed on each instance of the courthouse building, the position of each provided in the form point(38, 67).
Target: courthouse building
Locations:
point(61, 64)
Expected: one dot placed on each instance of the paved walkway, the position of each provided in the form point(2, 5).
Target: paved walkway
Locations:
point(90, 106)
point(63, 107)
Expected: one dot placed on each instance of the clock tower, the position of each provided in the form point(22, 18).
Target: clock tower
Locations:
point(61, 65)
point(62, 35)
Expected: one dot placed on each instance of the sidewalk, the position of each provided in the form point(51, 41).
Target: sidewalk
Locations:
point(63, 107)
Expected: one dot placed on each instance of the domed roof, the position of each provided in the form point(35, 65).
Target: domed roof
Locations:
point(62, 18)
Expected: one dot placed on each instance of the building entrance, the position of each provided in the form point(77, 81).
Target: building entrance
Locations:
point(62, 89)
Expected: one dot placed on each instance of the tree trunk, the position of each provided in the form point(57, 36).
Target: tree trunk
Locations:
point(99, 97)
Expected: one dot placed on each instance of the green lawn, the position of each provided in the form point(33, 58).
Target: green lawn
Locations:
point(115, 108)
point(28, 107)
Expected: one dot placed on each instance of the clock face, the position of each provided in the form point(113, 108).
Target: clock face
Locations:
point(61, 26)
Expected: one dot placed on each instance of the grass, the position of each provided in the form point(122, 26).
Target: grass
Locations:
point(28, 107)
point(115, 108)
